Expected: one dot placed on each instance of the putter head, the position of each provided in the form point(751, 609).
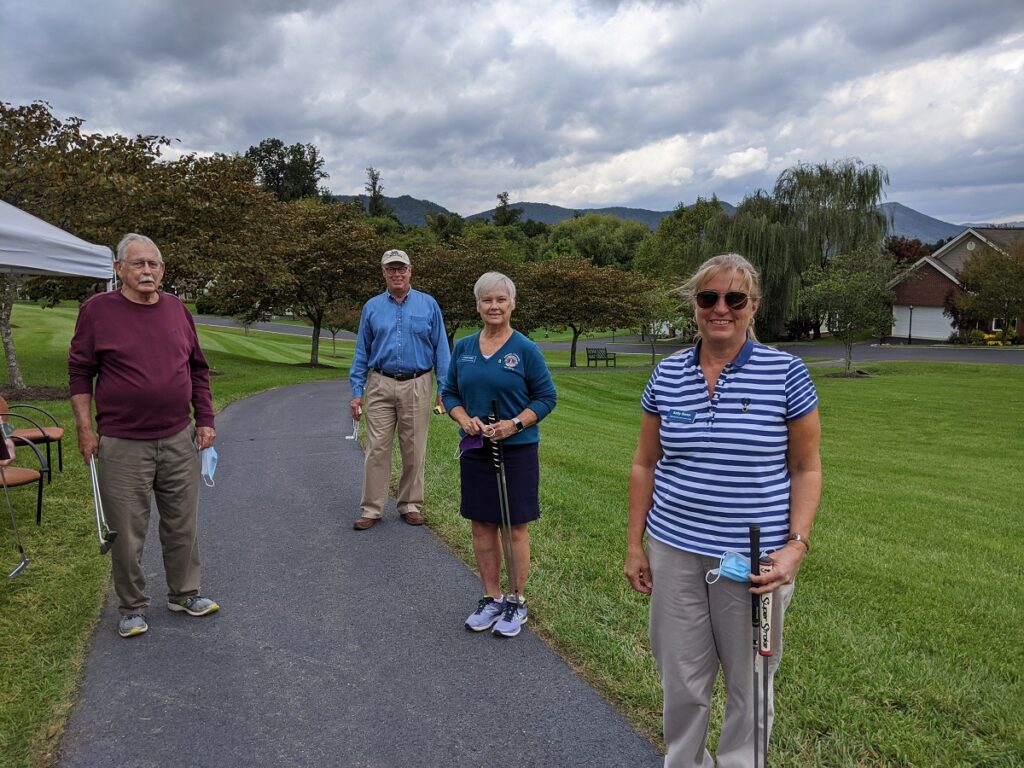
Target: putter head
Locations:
point(21, 567)
point(107, 542)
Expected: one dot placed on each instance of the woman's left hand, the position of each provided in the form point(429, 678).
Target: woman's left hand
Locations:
point(785, 563)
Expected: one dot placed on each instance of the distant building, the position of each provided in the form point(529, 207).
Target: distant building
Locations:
point(922, 290)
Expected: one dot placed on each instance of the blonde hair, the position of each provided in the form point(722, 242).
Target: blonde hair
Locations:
point(750, 280)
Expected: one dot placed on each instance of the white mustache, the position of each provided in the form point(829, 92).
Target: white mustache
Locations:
point(146, 280)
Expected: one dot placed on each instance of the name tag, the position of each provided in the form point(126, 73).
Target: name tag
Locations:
point(676, 416)
point(467, 358)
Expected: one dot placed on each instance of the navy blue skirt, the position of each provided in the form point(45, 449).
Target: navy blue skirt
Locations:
point(480, 484)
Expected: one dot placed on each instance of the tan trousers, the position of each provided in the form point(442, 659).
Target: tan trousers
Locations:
point(131, 472)
point(389, 404)
point(695, 627)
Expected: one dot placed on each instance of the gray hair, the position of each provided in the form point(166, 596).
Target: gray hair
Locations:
point(132, 237)
point(725, 262)
point(489, 281)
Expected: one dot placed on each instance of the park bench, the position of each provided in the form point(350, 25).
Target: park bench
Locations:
point(596, 354)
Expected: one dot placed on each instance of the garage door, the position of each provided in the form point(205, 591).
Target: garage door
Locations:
point(927, 323)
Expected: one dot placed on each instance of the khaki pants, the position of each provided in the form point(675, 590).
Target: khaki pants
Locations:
point(695, 626)
point(131, 472)
point(389, 404)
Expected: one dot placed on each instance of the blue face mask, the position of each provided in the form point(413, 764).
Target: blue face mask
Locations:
point(209, 461)
point(733, 566)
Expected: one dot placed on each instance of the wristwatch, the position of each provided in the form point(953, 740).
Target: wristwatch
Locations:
point(802, 539)
point(518, 424)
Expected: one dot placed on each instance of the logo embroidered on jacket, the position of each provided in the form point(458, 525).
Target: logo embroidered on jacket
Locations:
point(510, 360)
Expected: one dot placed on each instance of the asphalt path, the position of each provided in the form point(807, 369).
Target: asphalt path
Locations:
point(333, 647)
point(863, 352)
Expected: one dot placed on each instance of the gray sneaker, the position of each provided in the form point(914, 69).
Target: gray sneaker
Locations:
point(487, 612)
point(513, 616)
point(193, 605)
point(131, 625)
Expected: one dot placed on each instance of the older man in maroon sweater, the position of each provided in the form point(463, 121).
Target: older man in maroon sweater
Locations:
point(140, 346)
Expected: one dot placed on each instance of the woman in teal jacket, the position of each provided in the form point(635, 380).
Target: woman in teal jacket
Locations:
point(499, 365)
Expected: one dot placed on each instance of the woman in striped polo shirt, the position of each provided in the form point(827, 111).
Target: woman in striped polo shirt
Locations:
point(729, 437)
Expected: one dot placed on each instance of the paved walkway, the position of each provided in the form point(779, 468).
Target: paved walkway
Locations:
point(333, 647)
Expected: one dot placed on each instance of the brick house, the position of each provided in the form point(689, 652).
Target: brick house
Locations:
point(921, 291)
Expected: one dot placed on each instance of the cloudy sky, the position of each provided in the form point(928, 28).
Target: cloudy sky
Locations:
point(579, 104)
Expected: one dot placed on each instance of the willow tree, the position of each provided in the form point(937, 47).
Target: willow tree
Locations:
point(832, 209)
point(815, 212)
point(760, 232)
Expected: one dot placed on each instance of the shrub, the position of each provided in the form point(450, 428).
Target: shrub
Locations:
point(206, 305)
point(976, 336)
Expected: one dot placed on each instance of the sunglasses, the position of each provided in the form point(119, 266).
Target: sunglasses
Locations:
point(733, 299)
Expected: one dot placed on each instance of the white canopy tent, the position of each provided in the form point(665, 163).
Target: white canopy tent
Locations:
point(30, 246)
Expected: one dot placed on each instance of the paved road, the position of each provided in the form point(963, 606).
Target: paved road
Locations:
point(333, 647)
point(864, 352)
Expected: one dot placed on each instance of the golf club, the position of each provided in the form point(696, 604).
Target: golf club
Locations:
point(506, 519)
point(106, 538)
point(355, 427)
point(5, 455)
point(765, 651)
point(755, 613)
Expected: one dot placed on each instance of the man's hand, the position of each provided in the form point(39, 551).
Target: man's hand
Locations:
point(205, 437)
point(355, 406)
point(88, 444)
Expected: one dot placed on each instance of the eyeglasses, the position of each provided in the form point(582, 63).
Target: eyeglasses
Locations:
point(401, 270)
point(733, 299)
point(154, 265)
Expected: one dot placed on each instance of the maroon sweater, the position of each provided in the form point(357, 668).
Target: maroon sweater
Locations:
point(148, 365)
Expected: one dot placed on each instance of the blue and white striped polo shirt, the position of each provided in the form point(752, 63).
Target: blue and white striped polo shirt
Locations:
point(724, 457)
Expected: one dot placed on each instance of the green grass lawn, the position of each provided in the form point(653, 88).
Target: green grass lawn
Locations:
point(903, 643)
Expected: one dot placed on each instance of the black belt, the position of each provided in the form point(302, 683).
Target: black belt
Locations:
point(402, 376)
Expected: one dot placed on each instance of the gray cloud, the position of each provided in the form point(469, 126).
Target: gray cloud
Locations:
point(573, 103)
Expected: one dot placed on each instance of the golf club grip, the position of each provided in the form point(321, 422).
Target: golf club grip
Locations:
point(755, 569)
point(764, 645)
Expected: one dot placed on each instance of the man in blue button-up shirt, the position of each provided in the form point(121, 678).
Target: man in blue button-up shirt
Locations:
point(401, 340)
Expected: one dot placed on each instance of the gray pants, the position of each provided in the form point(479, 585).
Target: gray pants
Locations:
point(131, 472)
point(695, 627)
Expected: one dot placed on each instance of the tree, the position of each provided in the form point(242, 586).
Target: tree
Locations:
point(448, 273)
point(376, 205)
point(681, 242)
point(87, 184)
point(832, 208)
point(993, 286)
point(570, 292)
point(289, 172)
point(904, 250)
point(341, 315)
point(505, 215)
point(760, 233)
point(852, 295)
point(447, 227)
point(606, 241)
point(334, 255)
point(660, 315)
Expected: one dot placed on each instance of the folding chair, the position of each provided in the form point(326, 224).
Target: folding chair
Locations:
point(20, 476)
point(37, 434)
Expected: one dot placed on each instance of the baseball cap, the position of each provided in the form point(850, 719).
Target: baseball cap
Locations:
point(395, 256)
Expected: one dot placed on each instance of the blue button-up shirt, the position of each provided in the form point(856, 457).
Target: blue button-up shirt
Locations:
point(398, 337)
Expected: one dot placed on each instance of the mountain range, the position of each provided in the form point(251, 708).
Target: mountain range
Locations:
point(905, 222)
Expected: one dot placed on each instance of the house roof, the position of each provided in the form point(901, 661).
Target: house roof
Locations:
point(931, 260)
point(1000, 238)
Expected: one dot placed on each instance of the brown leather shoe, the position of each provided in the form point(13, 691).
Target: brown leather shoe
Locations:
point(365, 522)
point(413, 518)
